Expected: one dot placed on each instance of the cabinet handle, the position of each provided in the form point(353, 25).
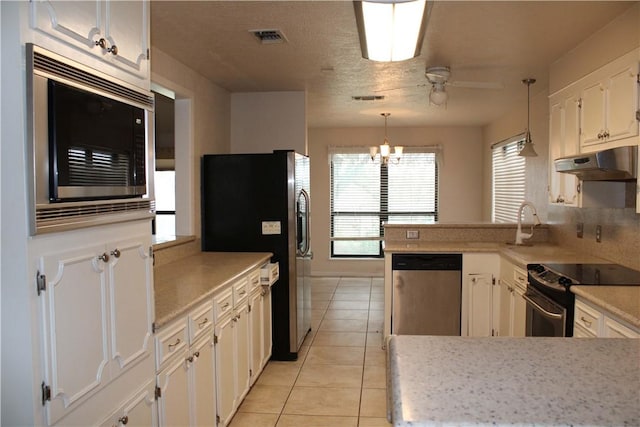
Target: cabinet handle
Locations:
point(242, 292)
point(263, 293)
point(599, 135)
point(104, 257)
point(605, 134)
point(193, 357)
point(204, 322)
point(116, 253)
point(102, 43)
point(225, 306)
point(171, 346)
point(113, 49)
point(124, 420)
point(585, 321)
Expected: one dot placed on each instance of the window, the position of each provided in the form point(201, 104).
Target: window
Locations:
point(366, 194)
point(164, 177)
point(508, 179)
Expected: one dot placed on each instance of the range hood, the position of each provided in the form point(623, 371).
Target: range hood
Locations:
point(615, 164)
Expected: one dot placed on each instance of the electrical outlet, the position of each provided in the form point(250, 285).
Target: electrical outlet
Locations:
point(413, 234)
point(580, 230)
point(598, 233)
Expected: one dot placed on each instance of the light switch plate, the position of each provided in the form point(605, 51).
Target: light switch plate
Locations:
point(580, 230)
point(271, 227)
point(413, 234)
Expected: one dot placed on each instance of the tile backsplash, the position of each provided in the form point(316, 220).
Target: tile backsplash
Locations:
point(620, 242)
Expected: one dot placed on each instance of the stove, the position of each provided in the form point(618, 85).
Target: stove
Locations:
point(550, 303)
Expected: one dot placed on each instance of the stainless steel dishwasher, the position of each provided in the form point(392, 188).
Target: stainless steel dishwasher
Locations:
point(427, 294)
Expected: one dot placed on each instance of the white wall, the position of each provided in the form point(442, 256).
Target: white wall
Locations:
point(460, 191)
point(265, 121)
point(202, 127)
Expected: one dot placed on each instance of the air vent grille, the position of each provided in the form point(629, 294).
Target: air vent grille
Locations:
point(58, 68)
point(269, 36)
point(368, 97)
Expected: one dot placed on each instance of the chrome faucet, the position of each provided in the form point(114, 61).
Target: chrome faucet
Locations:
point(536, 221)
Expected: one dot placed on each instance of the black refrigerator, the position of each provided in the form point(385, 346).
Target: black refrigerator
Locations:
point(260, 203)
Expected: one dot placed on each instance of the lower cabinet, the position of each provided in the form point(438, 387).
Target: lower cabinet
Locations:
point(479, 294)
point(513, 310)
point(140, 410)
point(591, 322)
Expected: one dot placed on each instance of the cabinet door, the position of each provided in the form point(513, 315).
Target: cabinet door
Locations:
point(480, 304)
point(126, 26)
point(592, 116)
point(257, 332)
point(202, 373)
point(506, 309)
point(242, 352)
point(622, 103)
point(225, 369)
point(130, 285)
point(74, 22)
point(556, 132)
point(519, 313)
point(140, 410)
point(173, 405)
point(613, 329)
point(74, 308)
point(267, 325)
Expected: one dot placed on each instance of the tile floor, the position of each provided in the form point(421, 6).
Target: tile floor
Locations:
point(339, 377)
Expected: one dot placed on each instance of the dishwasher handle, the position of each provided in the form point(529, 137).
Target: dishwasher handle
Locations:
point(428, 261)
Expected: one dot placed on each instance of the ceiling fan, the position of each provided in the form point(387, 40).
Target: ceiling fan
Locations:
point(438, 78)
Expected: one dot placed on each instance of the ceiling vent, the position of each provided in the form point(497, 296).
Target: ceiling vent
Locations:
point(269, 36)
point(368, 97)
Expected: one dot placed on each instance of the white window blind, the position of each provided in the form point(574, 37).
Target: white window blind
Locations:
point(366, 194)
point(508, 180)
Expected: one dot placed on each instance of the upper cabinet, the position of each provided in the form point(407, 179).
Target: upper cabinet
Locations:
point(115, 33)
point(609, 101)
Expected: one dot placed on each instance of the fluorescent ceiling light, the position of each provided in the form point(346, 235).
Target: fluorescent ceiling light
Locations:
point(391, 31)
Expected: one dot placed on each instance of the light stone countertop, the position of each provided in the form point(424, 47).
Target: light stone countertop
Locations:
point(461, 381)
point(182, 284)
point(621, 301)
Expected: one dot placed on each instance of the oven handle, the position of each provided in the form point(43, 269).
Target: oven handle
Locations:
point(539, 308)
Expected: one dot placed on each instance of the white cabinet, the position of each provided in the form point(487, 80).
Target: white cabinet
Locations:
point(609, 101)
point(591, 321)
point(186, 377)
point(513, 285)
point(97, 315)
point(115, 33)
point(140, 410)
point(479, 295)
point(260, 317)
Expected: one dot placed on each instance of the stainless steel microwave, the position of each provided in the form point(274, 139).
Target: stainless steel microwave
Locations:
point(91, 145)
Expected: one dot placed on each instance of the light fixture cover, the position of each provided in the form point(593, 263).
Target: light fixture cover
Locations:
point(391, 30)
point(438, 95)
point(527, 149)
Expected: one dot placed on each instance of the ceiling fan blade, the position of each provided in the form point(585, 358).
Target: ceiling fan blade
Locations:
point(476, 85)
point(400, 87)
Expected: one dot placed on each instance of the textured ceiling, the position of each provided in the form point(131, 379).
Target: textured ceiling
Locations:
point(500, 41)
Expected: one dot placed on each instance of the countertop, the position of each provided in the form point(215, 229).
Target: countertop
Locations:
point(439, 381)
point(182, 284)
point(621, 301)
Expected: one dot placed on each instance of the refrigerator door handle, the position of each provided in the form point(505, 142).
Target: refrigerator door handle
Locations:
point(304, 248)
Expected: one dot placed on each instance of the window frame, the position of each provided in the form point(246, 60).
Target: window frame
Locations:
point(506, 212)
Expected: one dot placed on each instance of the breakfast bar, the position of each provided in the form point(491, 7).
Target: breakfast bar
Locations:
point(440, 381)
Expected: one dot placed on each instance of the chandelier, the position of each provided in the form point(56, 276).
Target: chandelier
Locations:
point(385, 148)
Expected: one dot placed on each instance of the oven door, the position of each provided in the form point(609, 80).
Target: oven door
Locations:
point(545, 318)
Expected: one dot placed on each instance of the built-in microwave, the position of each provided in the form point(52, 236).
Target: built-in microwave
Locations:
point(91, 145)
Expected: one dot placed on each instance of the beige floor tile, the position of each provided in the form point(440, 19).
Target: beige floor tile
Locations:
point(374, 339)
point(377, 298)
point(373, 422)
point(304, 348)
point(320, 305)
point(342, 376)
point(323, 401)
point(374, 377)
point(375, 325)
point(376, 314)
point(355, 281)
point(324, 281)
point(316, 421)
point(377, 305)
point(343, 325)
point(351, 296)
point(374, 403)
point(265, 399)
point(245, 419)
point(279, 373)
point(315, 323)
point(321, 296)
point(347, 314)
point(335, 356)
point(375, 357)
point(377, 281)
point(353, 289)
point(349, 305)
point(342, 339)
point(317, 314)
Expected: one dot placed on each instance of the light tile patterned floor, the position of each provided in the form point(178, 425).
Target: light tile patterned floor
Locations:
point(339, 377)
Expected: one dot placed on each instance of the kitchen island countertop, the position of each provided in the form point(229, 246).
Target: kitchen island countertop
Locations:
point(182, 284)
point(513, 381)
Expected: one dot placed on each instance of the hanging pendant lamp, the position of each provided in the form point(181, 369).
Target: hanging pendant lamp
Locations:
point(385, 148)
point(527, 149)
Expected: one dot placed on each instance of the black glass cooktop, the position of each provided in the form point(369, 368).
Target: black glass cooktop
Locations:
point(597, 274)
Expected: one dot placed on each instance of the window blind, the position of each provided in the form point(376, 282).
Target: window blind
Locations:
point(366, 194)
point(508, 181)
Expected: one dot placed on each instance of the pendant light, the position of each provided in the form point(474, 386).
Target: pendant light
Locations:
point(527, 149)
point(385, 148)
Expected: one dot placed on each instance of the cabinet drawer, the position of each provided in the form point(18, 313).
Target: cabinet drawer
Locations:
point(270, 273)
point(254, 280)
point(200, 321)
point(520, 277)
point(171, 341)
point(222, 303)
point(614, 329)
point(587, 318)
point(240, 293)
